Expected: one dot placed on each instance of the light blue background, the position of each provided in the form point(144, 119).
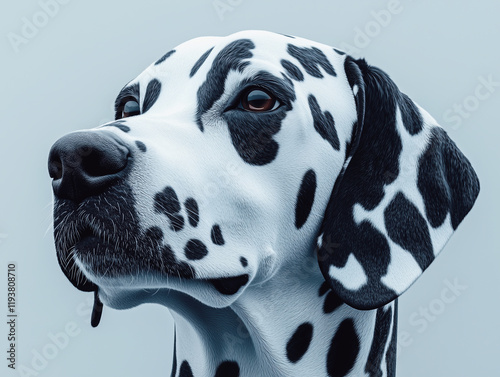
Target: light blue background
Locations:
point(67, 76)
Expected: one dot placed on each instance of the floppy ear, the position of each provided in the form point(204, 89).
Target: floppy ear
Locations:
point(404, 189)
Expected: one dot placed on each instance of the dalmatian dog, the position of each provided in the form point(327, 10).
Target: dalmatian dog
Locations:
point(276, 194)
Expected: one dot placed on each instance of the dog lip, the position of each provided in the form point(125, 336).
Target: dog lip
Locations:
point(230, 285)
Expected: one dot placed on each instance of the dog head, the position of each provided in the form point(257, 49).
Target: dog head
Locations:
point(231, 158)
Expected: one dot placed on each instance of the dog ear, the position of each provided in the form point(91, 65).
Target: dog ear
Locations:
point(403, 190)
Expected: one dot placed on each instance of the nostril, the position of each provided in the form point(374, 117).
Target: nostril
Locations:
point(83, 164)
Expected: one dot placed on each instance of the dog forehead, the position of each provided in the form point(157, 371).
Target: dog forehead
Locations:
point(264, 49)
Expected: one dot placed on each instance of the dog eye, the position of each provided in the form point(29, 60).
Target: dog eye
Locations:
point(258, 100)
point(130, 108)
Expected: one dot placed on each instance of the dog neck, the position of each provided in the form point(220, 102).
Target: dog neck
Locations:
point(255, 335)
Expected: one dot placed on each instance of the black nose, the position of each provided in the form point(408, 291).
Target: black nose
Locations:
point(86, 163)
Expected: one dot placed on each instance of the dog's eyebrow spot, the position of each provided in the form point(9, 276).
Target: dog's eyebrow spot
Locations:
point(344, 349)
point(119, 125)
point(324, 123)
point(292, 70)
point(229, 58)
point(340, 52)
point(164, 57)
point(195, 250)
point(299, 342)
point(152, 93)
point(200, 62)
point(311, 59)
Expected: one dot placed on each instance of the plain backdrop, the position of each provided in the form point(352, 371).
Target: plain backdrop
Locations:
point(65, 74)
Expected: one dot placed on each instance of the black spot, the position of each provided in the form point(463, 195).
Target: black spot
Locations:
point(192, 211)
point(343, 350)
point(382, 328)
point(164, 57)
point(406, 226)
point(195, 249)
point(141, 146)
point(228, 369)
point(216, 235)
point(229, 58)
point(152, 93)
point(185, 370)
point(305, 198)
point(166, 202)
point(323, 289)
point(412, 119)
point(119, 125)
point(446, 180)
point(154, 235)
point(252, 133)
point(174, 362)
point(390, 356)
point(324, 123)
point(127, 91)
point(172, 267)
point(243, 261)
point(229, 286)
point(340, 52)
point(311, 59)
point(375, 163)
point(288, 36)
point(332, 302)
point(293, 71)
point(299, 343)
point(199, 63)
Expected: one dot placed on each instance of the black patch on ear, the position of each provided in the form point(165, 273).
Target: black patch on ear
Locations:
point(152, 93)
point(216, 235)
point(119, 125)
point(407, 227)
point(185, 370)
point(311, 59)
point(164, 57)
point(305, 198)
point(252, 133)
point(332, 302)
point(199, 63)
point(229, 286)
point(299, 343)
point(374, 164)
point(382, 329)
point(446, 180)
point(166, 202)
point(412, 119)
point(229, 58)
point(192, 211)
point(343, 350)
point(324, 123)
point(292, 70)
point(340, 52)
point(141, 145)
point(195, 250)
point(228, 369)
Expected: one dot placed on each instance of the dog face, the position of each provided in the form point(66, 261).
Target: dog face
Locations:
point(230, 156)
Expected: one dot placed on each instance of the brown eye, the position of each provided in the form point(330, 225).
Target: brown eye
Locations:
point(130, 108)
point(258, 100)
